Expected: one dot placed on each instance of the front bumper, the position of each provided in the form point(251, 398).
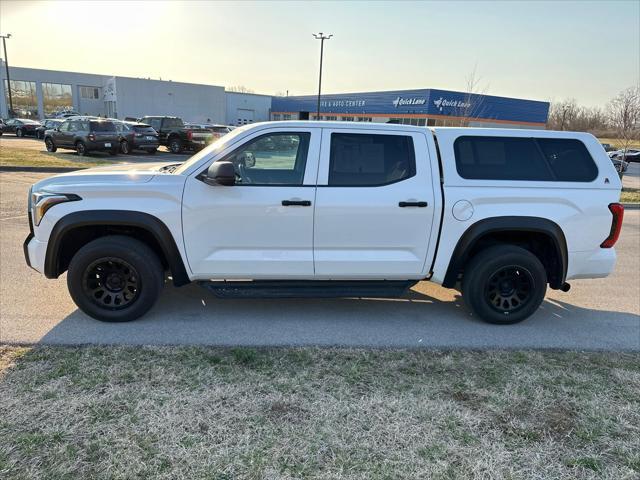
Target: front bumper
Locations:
point(35, 253)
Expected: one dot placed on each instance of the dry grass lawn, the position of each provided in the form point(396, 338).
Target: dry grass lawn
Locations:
point(24, 157)
point(630, 195)
point(191, 413)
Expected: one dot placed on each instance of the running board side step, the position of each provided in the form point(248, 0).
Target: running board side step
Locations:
point(307, 288)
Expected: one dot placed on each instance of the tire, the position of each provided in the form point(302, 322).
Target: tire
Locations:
point(19, 132)
point(504, 284)
point(152, 152)
point(132, 276)
point(175, 145)
point(81, 148)
point(124, 147)
point(51, 147)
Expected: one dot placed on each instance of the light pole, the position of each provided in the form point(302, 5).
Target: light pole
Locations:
point(6, 64)
point(320, 36)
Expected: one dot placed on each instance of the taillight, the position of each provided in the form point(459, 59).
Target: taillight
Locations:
point(92, 137)
point(617, 210)
point(189, 134)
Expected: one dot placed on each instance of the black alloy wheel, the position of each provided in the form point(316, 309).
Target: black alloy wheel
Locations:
point(111, 283)
point(509, 289)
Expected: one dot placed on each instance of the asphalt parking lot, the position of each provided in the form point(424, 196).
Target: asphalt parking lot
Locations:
point(602, 314)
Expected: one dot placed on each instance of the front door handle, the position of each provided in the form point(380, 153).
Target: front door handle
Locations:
point(299, 203)
point(413, 204)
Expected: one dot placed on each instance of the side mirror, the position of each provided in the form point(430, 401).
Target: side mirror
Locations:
point(221, 173)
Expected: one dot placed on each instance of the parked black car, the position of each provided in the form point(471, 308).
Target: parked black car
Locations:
point(84, 135)
point(21, 126)
point(47, 124)
point(136, 136)
point(631, 155)
point(1, 126)
point(173, 134)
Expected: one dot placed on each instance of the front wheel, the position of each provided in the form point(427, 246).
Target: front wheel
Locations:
point(504, 284)
point(51, 147)
point(115, 278)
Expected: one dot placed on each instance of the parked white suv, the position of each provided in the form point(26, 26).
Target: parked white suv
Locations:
point(336, 209)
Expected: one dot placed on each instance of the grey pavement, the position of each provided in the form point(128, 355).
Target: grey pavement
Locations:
point(602, 314)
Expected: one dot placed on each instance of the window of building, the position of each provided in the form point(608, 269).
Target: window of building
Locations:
point(364, 119)
point(347, 119)
point(56, 98)
point(91, 93)
point(370, 160)
point(271, 159)
point(276, 116)
point(332, 117)
point(431, 122)
point(422, 122)
point(286, 116)
point(508, 158)
point(23, 95)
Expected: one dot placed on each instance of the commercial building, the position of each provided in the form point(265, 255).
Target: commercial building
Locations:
point(38, 93)
point(428, 107)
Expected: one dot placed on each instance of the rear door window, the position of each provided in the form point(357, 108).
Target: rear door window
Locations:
point(370, 160)
point(525, 159)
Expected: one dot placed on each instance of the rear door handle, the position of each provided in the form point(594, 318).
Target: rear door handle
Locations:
point(413, 204)
point(299, 203)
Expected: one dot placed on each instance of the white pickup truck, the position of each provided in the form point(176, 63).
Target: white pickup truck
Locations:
point(304, 208)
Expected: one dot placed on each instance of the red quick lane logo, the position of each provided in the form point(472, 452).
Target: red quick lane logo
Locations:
point(441, 103)
point(401, 102)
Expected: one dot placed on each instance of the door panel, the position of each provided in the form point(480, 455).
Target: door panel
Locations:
point(363, 231)
point(245, 231)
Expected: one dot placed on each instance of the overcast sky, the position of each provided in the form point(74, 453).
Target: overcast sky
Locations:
point(539, 50)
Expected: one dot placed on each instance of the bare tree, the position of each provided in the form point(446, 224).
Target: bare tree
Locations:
point(239, 89)
point(473, 105)
point(624, 116)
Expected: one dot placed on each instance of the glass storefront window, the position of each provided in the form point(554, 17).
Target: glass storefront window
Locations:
point(56, 98)
point(25, 101)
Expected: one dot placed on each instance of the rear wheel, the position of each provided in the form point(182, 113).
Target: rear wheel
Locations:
point(124, 147)
point(19, 132)
point(51, 147)
point(81, 148)
point(115, 278)
point(175, 145)
point(504, 284)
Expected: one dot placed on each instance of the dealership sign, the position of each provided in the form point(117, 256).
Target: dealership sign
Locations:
point(342, 103)
point(443, 102)
point(402, 102)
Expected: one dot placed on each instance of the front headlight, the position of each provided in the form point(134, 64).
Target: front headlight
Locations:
point(42, 201)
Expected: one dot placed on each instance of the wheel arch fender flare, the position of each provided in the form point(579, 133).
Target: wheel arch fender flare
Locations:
point(519, 224)
point(116, 218)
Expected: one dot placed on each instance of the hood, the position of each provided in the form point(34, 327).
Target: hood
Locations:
point(128, 173)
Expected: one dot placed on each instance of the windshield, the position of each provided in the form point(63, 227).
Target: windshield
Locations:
point(215, 147)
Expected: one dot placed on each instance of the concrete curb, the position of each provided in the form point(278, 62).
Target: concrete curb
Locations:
point(10, 168)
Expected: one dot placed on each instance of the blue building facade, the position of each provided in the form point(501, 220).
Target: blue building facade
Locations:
point(416, 107)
